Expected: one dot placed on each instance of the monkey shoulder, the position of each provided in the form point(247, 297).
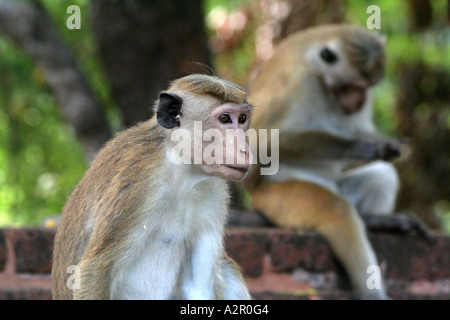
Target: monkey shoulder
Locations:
point(115, 175)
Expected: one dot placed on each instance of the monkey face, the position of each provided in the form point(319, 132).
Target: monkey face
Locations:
point(344, 84)
point(231, 152)
point(350, 97)
point(213, 123)
point(349, 67)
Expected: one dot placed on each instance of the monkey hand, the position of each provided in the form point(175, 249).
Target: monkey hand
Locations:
point(370, 150)
point(388, 150)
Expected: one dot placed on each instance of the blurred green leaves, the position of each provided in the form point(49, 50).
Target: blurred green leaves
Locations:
point(40, 160)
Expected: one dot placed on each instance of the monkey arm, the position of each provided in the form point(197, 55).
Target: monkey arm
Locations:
point(93, 281)
point(235, 287)
point(324, 145)
point(97, 262)
point(105, 247)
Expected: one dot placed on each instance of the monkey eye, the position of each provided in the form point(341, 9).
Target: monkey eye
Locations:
point(225, 118)
point(242, 118)
point(328, 56)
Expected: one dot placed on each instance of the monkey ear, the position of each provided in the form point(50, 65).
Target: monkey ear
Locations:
point(382, 36)
point(168, 110)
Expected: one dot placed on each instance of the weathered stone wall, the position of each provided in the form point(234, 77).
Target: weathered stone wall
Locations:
point(277, 264)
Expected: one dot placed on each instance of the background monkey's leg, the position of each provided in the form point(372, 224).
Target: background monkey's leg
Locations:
point(372, 188)
point(348, 239)
point(300, 205)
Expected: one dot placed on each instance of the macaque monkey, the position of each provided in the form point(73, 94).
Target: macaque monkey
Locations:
point(141, 225)
point(316, 89)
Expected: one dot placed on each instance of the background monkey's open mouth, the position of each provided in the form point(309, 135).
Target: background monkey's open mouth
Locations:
point(350, 97)
point(236, 168)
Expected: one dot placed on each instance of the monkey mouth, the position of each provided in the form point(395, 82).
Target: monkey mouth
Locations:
point(349, 97)
point(237, 168)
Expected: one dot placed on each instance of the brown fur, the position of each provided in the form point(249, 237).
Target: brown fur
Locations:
point(100, 219)
point(135, 150)
point(217, 87)
point(301, 205)
point(293, 204)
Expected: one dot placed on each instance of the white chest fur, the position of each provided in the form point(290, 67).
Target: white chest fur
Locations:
point(175, 250)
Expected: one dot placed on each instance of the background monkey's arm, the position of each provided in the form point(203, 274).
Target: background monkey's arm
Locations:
point(323, 145)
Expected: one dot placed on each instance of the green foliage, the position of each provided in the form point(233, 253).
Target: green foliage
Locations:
point(83, 46)
point(40, 159)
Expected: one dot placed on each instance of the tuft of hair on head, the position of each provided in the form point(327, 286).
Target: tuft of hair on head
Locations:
point(210, 85)
point(365, 49)
point(204, 67)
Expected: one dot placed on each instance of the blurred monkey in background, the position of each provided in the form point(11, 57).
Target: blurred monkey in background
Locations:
point(316, 89)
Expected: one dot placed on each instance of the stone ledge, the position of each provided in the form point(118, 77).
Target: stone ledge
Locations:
point(32, 249)
point(25, 294)
point(403, 256)
point(277, 264)
point(3, 250)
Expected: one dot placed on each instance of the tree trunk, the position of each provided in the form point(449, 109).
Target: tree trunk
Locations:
point(310, 13)
point(421, 14)
point(146, 44)
point(30, 27)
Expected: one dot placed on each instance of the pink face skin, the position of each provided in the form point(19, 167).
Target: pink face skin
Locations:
point(237, 118)
point(350, 96)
